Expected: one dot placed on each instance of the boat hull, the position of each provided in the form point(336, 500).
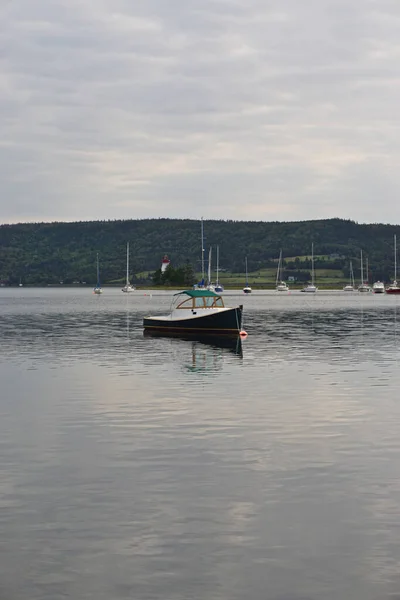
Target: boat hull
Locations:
point(227, 322)
point(393, 291)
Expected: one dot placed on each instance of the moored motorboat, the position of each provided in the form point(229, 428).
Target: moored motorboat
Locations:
point(393, 288)
point(310, 288)
point(201, 311)
point(378, 287)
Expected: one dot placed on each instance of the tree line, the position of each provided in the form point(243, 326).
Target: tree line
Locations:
point(42, 253)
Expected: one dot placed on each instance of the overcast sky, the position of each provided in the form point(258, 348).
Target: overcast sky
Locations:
point(233, 109)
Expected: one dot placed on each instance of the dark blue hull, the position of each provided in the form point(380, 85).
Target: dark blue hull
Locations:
point(227, 322)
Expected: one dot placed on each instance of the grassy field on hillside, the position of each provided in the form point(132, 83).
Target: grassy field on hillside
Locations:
point(265, 279)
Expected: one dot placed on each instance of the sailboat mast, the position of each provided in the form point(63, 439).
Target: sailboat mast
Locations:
point(366, 268)
point(217, 265)
point(395, 259)
point(362, 269)
point(127, 263)
point(98, 270)
point(202, 249)
point(278, 272)
point(209, 267)
point(247, 283)
point(312, 263)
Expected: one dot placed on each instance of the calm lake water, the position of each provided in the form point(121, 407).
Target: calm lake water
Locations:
point(157, 468)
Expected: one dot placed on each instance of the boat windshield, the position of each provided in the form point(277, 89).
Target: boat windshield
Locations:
point(202, 302)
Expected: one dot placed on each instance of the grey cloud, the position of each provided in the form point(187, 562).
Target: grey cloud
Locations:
point(252, 109)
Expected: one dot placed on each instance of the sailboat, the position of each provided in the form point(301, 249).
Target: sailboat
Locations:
point(363, 287)
point(98, 289)
point(350, 286)
point(280, 285)
point(210, 286)
point(20, 282)
point(311, 287)
point(127, 287)
point(218, 286)
point(247, 288)
point(394, 288)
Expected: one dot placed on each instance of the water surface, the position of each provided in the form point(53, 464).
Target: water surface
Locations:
point(147, 468)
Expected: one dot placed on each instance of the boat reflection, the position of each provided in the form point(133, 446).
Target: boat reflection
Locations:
point(201, 353)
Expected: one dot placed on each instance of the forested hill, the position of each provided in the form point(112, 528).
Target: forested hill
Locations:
point(47, 252)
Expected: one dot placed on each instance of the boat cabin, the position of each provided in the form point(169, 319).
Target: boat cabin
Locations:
point(195, 299)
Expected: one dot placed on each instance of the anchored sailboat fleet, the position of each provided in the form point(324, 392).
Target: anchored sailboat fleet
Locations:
point(280, 284)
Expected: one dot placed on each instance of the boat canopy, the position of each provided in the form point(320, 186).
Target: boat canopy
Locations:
point(197, 293)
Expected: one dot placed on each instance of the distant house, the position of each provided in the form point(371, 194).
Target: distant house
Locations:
point(292, 278)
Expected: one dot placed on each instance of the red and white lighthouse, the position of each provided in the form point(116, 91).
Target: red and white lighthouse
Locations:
point(164, 263)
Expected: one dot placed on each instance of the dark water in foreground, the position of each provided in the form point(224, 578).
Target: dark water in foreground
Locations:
point(134, 467)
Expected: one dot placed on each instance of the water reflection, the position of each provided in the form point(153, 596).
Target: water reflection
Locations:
point(291, 335)
point(199, 353)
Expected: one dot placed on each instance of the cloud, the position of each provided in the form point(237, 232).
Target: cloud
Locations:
point(242, 108)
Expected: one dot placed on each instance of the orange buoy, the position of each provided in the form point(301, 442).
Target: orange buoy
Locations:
point(243, 334)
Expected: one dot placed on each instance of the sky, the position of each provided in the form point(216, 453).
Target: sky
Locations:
point(223, 109)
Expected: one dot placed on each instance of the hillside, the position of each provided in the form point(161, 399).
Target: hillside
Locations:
point(42, 253)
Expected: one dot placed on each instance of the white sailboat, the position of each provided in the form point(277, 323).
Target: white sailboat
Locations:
point(311, 287)
point(127, 287)
point(210, 286)
point(247, 288)
point(350, 287)
point(394, 288)
point(98, 289)
point(363, 287)
point(280, 285)
point(218, 286)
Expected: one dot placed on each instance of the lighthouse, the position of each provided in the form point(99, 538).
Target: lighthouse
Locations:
point(164, 263)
